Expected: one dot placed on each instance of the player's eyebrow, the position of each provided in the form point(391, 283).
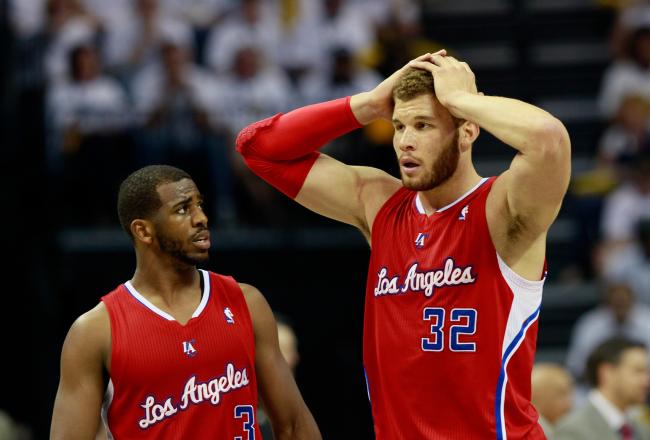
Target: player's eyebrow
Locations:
point(181, 202)
point(417, 118)
point(187, 199)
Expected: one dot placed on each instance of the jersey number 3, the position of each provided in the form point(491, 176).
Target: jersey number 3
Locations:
point(463, 323)
point(246, 412)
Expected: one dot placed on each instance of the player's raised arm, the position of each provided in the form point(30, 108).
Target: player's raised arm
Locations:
point(283, 151)
point(538, 177)
point(81, 386)
point(289, 415)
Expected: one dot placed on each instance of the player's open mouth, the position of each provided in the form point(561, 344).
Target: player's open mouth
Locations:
point(202, 240)
point(408, 165)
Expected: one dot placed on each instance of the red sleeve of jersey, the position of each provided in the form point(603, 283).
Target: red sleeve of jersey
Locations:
point(283, 148)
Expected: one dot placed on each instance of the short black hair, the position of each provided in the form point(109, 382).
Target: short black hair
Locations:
point(608, 352)
point(138, 196)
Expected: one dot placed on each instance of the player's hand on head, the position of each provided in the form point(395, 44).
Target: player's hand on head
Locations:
point(382, 95)
point(450, 76)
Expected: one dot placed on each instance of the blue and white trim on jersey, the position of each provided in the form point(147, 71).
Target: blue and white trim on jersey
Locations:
point(524, 311)
point(205, 296)
point(420, 207)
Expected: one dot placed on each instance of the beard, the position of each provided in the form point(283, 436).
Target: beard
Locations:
point(444, 166)
point(174, 248)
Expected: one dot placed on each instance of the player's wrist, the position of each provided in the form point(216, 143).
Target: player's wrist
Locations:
point(365, 107)
point(453, 101)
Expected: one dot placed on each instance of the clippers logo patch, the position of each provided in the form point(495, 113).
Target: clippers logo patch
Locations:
point(188, 348)
point(419, 241)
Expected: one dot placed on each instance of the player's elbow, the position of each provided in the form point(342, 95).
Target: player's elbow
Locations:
point(553, 140)
point(250, 142)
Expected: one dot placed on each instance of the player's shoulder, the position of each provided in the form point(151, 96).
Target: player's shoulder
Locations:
point(91, 331)
point(258, 307)
point(252, 294)
point(93, 324)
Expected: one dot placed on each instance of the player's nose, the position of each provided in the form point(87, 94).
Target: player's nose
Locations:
point(199, 218)
point(406, 141)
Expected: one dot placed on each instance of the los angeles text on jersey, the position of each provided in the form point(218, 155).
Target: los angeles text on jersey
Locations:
point(425, 281)
point(194, 393)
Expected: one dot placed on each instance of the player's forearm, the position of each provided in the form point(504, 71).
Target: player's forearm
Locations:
point(302, 428)
point(364, 108)
point(529, 129)
point(297, 133)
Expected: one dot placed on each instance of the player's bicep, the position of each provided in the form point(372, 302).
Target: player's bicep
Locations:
point(81, 385)
point(535, 185)
point(346, 193)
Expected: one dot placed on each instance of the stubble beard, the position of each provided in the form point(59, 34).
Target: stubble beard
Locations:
point(443, 168)
point(174, 248)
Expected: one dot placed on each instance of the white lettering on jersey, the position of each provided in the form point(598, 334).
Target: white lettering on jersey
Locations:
point(424, 281)
point(194, 393)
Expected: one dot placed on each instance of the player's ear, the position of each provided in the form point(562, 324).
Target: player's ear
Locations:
point(468, 132)
point(142, 231)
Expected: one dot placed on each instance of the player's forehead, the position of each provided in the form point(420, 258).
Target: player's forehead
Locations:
point(172, 192)
point(421, 107)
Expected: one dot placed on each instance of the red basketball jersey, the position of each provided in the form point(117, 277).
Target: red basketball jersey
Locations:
point(450, 330)
point(173, 381)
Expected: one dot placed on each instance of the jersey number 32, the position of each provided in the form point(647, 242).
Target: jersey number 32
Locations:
point(462, 323)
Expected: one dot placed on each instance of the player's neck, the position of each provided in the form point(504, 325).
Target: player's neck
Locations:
point(463, 180)
point(166, 280)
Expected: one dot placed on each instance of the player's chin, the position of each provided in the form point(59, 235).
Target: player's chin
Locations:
point(198, 256)
point(416, 184)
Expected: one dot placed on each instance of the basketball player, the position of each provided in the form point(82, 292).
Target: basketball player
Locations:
point(457, 264)
point(185, 350)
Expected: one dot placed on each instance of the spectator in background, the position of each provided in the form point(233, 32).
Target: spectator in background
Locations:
point(90, 147)
point(629, 135)
point(344, 24)
point(251, 25)
point(298, 42)
point(618, 372)
point(173, 100)
point(627, 205)
point(133, 43)
point(201, 15)
point(632, 264)
point(552, 394)
point(250, 90)
point(67, 26)
point(619, 315)
point(631, 16)
point(628, 76)
point(343, 76)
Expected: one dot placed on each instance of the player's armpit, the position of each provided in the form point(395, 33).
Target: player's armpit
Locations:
point(537, 180)
point(81, 385)
point(349, 194)
point(289, 415)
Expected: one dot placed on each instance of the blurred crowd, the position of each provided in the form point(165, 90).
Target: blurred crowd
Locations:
point(135, 82)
